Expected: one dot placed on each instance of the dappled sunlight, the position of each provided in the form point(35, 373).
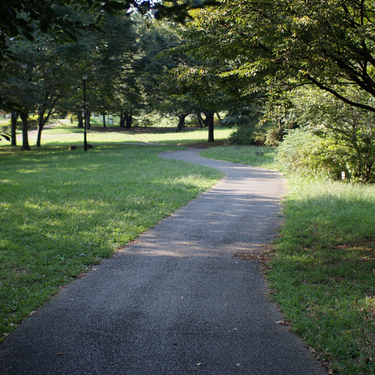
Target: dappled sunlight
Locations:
point(221, 221)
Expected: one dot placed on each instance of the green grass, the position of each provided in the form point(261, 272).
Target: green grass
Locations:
point(65, 133)
point(244, 155)
point(185, 137)
point(63, 211)
point(322, 269)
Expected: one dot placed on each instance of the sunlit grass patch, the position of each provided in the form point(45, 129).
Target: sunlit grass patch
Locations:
point(252, 155)
point(185, 137)
point(63, 211)
point(323, 271)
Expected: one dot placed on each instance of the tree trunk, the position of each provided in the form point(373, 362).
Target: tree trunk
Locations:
point(210, 124)
point(122, 121)
point(368, 167)
point(104, 126)
point(200, 120)
point(25, 138)
point(40, 128)
point(181, 122)
point(13, 128)
point(218, 116)
point(80, 120)
point(129, 120)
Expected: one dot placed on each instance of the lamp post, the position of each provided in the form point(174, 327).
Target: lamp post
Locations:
point(84, 77)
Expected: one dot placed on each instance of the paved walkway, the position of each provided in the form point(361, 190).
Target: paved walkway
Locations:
point(176, 301)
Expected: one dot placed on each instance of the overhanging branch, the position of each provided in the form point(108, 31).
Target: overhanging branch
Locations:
point(339, 96)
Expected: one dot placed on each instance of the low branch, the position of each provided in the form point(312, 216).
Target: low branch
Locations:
point(339, 96)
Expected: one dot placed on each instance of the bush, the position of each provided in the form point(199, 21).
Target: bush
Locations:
point(243, 136)
point(305, 153)
point(274, 136)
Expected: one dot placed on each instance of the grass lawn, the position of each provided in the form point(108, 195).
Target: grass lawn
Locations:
point(65, 133)
point(63, 211)
point(185, 137)
point(322, 271)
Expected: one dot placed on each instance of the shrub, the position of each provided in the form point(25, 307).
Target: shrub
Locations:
point(305, 153)
point(274, 136)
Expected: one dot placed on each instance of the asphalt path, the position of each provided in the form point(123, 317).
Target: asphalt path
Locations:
point(178, 300)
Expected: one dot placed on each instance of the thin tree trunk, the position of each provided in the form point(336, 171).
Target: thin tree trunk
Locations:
point(104, 126)
point(13, 128)
point(25, 138)
point(40, 128)
point(200, 120)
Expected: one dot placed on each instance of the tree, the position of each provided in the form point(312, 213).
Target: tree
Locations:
point(350, 129)
point(159, 88)
point(283, 44)
point(41, 75)
point(114, 72)
point(25, 17)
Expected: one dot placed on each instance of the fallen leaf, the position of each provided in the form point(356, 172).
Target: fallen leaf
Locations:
point(282, 322)
point(199, 364)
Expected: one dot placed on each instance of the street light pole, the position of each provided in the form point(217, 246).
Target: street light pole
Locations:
point(84, 77)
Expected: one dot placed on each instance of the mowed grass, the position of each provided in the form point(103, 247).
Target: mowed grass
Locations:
point(65, 133)
point(322, 269)
point(185, 137)
point(63, 211)
point(245, 155)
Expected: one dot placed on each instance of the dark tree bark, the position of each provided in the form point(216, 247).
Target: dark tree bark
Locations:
point(122, 120)
point(50, 102)
point(25, 138)
point(210, 124)
point(200, 120)
point(13, 128)
point(40, 128)
point(181, 122)
point(129, 120)
point(104, 125)
point(80, 120)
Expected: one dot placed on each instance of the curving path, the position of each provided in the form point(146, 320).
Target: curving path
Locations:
point(176, 301)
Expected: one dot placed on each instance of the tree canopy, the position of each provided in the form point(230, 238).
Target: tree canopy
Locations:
point(288, 43)
point(56, 17)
